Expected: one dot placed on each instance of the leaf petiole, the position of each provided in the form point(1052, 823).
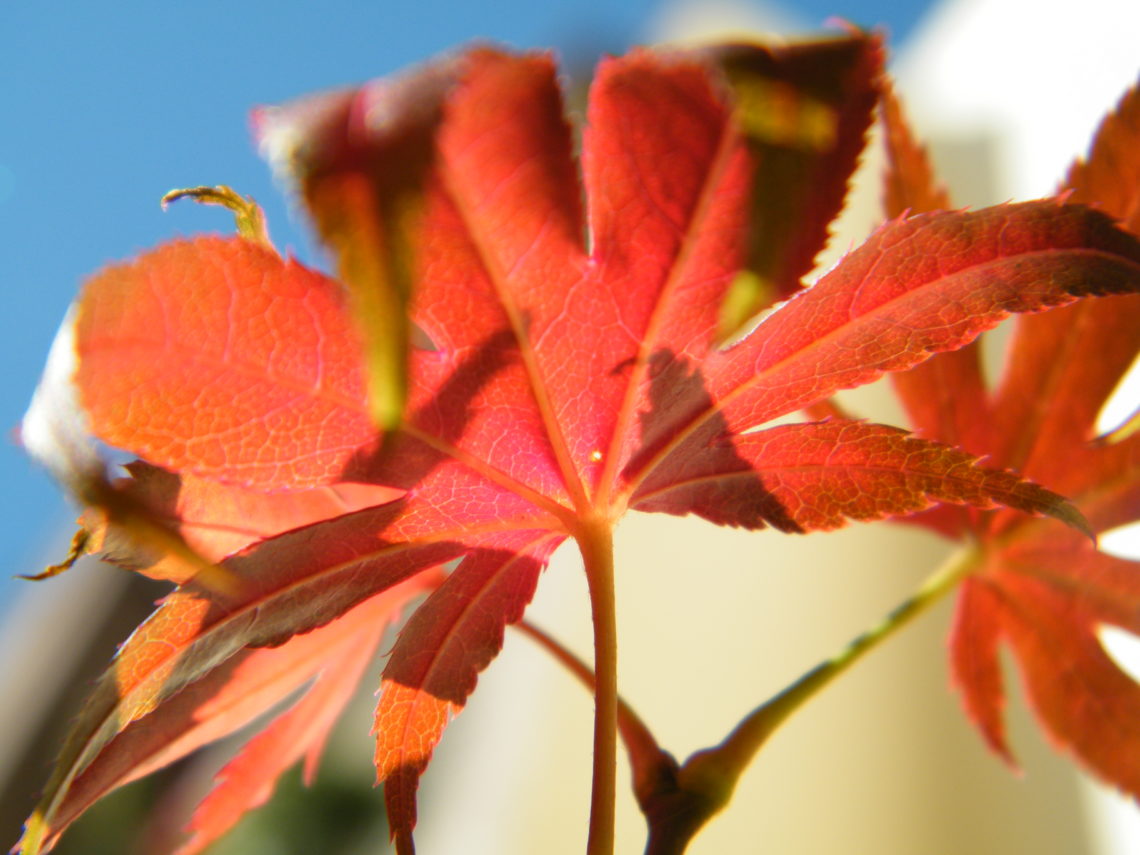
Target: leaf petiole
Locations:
point(595, 540)
point(709, 776)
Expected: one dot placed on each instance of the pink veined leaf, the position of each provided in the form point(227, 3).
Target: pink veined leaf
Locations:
point(916, 287)
point(247, 782)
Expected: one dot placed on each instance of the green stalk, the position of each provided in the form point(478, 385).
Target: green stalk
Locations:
point(248, 216)
point(595, 540)
point(715, 771)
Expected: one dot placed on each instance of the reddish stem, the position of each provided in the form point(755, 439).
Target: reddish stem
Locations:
point(595, 540)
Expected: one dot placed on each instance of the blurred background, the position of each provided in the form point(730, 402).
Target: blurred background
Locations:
point(107, 107)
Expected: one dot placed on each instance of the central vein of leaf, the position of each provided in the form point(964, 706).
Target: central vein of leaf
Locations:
point(499, 477)
point(498, 278)
point(623, 424)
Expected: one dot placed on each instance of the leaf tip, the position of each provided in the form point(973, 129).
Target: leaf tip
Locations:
point(1067, 513)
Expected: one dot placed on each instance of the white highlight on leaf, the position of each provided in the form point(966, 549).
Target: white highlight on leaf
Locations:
point(1121, 542)
point(1122, 404)
point(1122, 647)
point(54, 430)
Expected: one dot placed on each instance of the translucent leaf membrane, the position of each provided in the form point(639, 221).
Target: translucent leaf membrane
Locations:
point(217, 358)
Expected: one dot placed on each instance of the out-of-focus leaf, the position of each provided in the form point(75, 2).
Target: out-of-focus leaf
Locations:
point(804, 109)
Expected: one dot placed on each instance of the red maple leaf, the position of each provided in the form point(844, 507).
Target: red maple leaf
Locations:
point(575, 371)
point(1043, 589)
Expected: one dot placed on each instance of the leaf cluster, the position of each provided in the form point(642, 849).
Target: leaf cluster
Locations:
point(521, 345)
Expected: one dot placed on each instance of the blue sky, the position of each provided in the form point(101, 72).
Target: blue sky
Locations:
point(107, 106)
